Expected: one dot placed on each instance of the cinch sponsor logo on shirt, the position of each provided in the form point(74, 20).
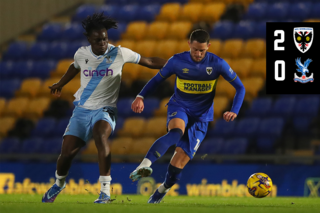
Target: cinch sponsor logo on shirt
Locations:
point(106, 72)
point(195, 87)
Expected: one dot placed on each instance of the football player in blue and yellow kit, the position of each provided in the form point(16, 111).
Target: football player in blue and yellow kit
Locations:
point(190, 109)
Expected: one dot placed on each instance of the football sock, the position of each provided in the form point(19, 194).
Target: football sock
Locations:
point(60, 180)
point(163, 189)
point(173, 176)
point(145, 163)
point(105, 184)
point(161, 145)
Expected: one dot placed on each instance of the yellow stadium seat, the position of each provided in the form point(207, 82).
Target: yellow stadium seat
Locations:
point(252, 85)
point(36, 107)
point(135, 30)
point(16, 106)
point(121, 145)
point(140, 147)
point(242, 66)
point(220, 105)
point(62, 67)
point(182, 46)
point(169, 12)
point(130, 72)
point(157, 30)
point(70, 89)
point(179, 30)
point(312, 20)
point(44, 90)
point(6, 124)
point(259, 68)
point(146, 73)
point(145, 48)
point(200, 1)
point(215, 46)
point(255, 48)
point(132, 127)
point(2, 105)
point(162, 111)
point(232, 48)
point(212, 12)
point(130, 44)
point(166, 49)
point(156, 127)
point(29, 88)
point(191, 12)
point(224, 88)
point(90, 152)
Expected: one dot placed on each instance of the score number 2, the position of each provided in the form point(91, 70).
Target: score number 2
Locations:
point(279, 62)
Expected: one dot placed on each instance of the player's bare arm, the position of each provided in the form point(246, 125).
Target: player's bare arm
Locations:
point(68, 76)
point(152, 62)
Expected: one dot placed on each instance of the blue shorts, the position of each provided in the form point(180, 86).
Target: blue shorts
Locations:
point(195, 131)
point(82, 121)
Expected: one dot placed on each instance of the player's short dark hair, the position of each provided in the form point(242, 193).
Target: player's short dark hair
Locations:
point(98, 21)
point(200, 36)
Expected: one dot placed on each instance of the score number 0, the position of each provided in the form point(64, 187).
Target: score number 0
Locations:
point(279, 62)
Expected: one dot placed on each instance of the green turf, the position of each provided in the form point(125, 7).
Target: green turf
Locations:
point(136, 203)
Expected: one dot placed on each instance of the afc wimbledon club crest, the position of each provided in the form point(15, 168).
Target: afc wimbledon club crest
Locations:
point(303, 68)
point(209, 70)
point(303, 37)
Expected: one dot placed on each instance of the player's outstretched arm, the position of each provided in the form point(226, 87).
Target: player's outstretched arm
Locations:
point(137, 105)
point(152, 62)
point(70, 74)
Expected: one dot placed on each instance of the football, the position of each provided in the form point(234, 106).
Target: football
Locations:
point(259, 185)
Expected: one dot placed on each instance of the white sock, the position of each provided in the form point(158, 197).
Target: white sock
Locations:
point(60, 180)
point(145, 163)
point(163, 189)
point(105, 184)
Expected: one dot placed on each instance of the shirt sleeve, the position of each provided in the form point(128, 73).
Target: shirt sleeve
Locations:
point(75, 63)
point(168, 69)
point(227, 72)
point(130, 56)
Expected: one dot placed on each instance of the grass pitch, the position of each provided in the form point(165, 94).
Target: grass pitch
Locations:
point(137, 204)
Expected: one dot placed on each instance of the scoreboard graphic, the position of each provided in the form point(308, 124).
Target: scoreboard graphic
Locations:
point(293, 58)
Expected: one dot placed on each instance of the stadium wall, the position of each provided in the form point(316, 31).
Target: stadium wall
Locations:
point(197, 179)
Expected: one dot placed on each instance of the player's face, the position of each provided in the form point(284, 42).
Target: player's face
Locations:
point(99, 41)
point(198, 50)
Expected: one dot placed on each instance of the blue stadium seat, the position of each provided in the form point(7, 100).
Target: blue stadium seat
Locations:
point(277, 11)
point(211, 146)
point(50, 32)
point(115, 34)
point(259, 107)
point(315, 10)
point(124, 107)
point(271, 127)
point(6, 68)
point(301, 124)
point(260, 30)
point(244, 30)
point(16, 51)
point(300, 11)
point(118, 2)
point(61, 127)
point(247, 127)
point(266, 145)
point(223, 30)
point(31, 145)
point(148, 12)
point(10, 145)
point(22, 69)
point(44, 128)
point(235, 146)
point(150, 105)
point(43, 68)
point(119, 125)
point(73, 47)
point(256, 11)
point(8, 87)
point(38, 51)
point(283, 107)
point(84, 11)
point(51, 146)
point(307, 107)
point(222, 129)
point(72, 31)
point(57, 50)
point(109, 10)
point(127, 13)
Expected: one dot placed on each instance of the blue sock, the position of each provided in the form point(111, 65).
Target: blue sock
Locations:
point(160, 146)
point(173, 176)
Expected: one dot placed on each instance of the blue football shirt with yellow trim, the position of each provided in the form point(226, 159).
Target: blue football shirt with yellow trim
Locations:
point(196, 82)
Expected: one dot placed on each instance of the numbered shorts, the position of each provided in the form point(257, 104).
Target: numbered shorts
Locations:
point(195, 131)
point(82, 121)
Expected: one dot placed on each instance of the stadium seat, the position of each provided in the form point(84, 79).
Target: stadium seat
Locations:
point(224, 88)
point(132, 127)
point(271, 127)
point(16, 51)
point(179, 30)
point(38, 51)
point(109, 10)
point(29, 88)
point(145, 48)
point(72, 31)
point(90, 148)
point(16, 106)
point(252, 85)
point(308, 106)
point(50, 32)
point(277, 11)
point(51, 146)
point(232, 48)
point(22, 69)
point(260, 30)
point(70, 89)
point(124, 107)
point(10, 145)
point(44, 90)
point(246, 127)
point(301, 124)
point(242, 67)
point(157, 30)
point(220, 105)
point(6, 68)
point(211, 146)
point(259, 107)
point(255, 48)
point(31, 146)
point(115, 34)
point(130, 72)
point(43, 68)
point(6, 123)
point(119, 125)
point(84, 11)
point(57, 50)
point(145, 73)
point(222, 128)
point(162, 110)
point(8, 87)
point(283, 107)
point(148, 12)
point(266, 145)
point(130, 44)
point(150, 105)
point(62, 68)
point(36, 107)
point(2, 105)
point(169, 12)
point(236, 146)
point(44, 127)
point(244, 30)
point(299, 11)
point(121, 145)
point(156, 127)
point(166, 48)
point(259, 68)
point(140, 147)
point(182, 46)
point(212, 12)
point(191, 12)
point(222, 30)
point(127, 13)
point(61, 127)
point(256, 11)
point(215, 46)
point(135, 30)
point(315, 10)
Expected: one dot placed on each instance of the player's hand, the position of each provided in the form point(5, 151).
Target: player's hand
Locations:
point(137, 105)
point(229, 116)
point(56, 89)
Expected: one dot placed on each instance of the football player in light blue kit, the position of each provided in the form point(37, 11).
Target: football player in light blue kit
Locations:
point(190, 108)
point(95, 114)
